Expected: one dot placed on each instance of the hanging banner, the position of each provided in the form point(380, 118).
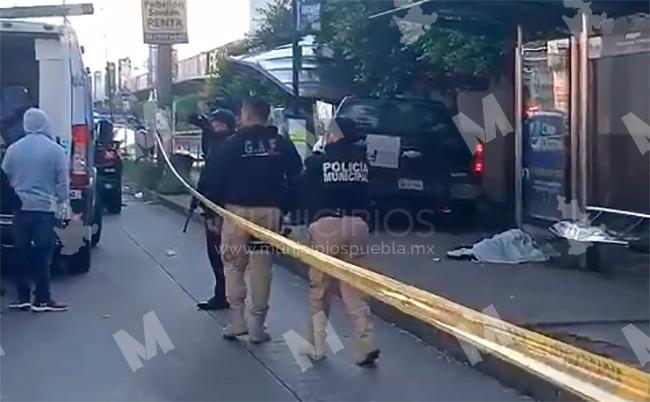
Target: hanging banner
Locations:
point(310, 17)
point(164, 22)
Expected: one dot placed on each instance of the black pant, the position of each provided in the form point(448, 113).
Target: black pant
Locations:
point(34, 242)
point(213, 240)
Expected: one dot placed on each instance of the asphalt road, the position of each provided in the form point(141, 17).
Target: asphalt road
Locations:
point(74, 356)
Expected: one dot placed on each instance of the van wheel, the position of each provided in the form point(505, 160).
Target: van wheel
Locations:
point(80, 263)
point(97, 235)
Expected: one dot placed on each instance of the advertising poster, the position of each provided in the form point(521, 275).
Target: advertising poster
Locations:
point(164, 22)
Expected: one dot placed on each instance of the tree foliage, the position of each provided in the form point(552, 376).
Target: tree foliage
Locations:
point(462, 59)
point(228, 86)
point(276, 27)
point(369, 55)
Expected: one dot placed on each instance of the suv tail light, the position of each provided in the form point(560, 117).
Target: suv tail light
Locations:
point(477, 160)
point(79, 169)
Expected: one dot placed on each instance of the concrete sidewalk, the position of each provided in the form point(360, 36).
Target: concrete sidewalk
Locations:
point(584, 308)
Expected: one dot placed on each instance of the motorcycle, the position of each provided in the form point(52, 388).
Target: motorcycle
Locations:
point(109, 168)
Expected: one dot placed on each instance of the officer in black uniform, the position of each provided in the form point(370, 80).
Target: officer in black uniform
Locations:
point(334, 193)
point(254, 167)
point(218, 126)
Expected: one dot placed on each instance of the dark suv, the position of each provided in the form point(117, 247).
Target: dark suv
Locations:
point(417, 155)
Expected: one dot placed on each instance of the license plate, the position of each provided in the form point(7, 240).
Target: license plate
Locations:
point(409, 184)
point(109, 170)
point(75, 194)
point(108, 186)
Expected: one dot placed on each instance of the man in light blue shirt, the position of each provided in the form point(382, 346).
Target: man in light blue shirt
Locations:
point(37, 169)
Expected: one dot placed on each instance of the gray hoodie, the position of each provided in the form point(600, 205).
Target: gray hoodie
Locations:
point(37, 167)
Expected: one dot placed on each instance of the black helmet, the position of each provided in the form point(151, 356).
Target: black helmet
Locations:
point(224, 116)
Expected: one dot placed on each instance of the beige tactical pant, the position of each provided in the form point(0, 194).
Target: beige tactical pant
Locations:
point(345, 238)
point(236, 261)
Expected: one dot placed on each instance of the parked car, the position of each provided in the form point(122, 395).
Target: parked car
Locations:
point(109, 168)
point(417, 155)
point(43, 67)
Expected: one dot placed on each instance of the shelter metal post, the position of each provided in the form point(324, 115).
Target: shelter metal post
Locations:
point(574, 119)
point(584, 109)
point(582, 131)
point(519, 127)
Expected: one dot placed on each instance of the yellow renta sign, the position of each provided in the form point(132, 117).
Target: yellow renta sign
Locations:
point(164, 21)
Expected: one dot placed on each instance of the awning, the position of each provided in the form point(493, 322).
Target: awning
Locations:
point(277, 66)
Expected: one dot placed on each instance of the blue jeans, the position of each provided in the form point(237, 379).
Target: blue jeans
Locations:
point(34, 242)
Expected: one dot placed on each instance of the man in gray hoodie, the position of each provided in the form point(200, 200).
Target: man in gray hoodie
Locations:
point(37, 169)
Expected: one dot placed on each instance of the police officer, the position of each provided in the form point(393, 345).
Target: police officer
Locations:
point(218, 126)
point(334, 192)
point(250, 180)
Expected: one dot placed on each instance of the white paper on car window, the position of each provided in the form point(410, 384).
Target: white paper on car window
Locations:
point(383, 150)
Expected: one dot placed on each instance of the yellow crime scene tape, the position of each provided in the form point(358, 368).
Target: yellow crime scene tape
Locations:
point(584, 374)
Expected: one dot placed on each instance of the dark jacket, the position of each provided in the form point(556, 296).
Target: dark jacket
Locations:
point(253, 168)
point(335, 183)
point(208, 136)
point(11, 127)
point(9, 200)
point(203, 185)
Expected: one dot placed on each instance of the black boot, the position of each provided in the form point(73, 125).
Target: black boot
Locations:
point(213, 304)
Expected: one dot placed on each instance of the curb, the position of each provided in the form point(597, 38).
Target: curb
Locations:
point(507, 374)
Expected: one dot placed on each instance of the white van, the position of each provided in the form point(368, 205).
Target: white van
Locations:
point(41, 65)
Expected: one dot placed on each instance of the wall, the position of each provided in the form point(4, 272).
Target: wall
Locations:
point(498, 176)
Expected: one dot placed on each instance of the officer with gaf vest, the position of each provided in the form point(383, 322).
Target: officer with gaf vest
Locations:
point(249, 178)
point(334, 194)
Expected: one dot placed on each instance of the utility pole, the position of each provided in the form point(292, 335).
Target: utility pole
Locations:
point(297, 57)
point(164, 76)
point(163, 87)
point(110, 87)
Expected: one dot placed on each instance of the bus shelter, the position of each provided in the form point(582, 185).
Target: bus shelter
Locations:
point(581, 106)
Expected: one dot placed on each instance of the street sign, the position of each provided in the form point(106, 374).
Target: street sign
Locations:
point(65, 10)
point(310, 16)
point(164, 22)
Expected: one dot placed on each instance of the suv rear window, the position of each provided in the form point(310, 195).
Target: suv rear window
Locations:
point(396, 117)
